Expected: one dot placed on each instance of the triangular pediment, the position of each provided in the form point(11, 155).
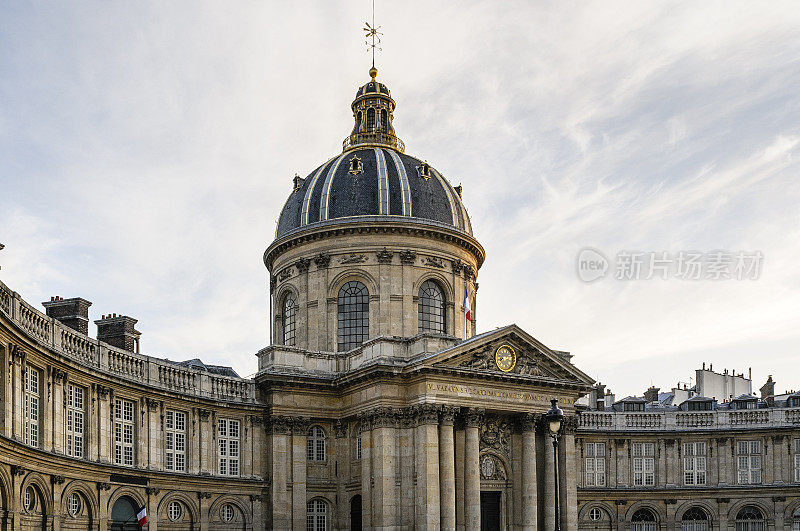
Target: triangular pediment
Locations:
point(529, 357)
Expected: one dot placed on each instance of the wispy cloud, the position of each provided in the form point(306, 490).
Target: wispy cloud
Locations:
point(147, 150)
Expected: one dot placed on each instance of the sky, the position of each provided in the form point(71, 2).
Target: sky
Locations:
point(146, 149)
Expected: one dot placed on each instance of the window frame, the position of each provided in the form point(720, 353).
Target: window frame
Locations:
point(317, 515)
point(695, 463)
point(124, 449)
point(174, 439)
point(749, 462)
point(431, 300)
point(316, 445)
point(593, 462)
point(352, 315)
point(32, 390)
point(229, 447)
point(75, 427)
point(175, 516)
point(289, 319)
point(643, 464)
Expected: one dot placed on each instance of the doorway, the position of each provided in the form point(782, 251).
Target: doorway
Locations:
point(123, 515)
point(490, 511)
point(355, 513)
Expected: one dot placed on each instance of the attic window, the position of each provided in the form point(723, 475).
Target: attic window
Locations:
point(296, 183)
point(424, 171)
point(355, 166)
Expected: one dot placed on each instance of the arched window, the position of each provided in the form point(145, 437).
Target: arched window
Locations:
point(750, 519)
point(227, 513)
point(359, 125)
point(74, 504)
point(384, 121)
point(643, 520)
point(796, 520)
point(596, 514)
point(315, 444)
point(175, 511)
point(431, 308)
point(289, 309)
point(370, 120)
point(353, 315)
point(695, 519)
point(316, 515)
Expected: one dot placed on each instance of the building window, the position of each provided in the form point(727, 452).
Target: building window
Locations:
point(316, 515)
point(175, 511)
point(175, 441)
point(595, 514)
point(228, 437)
point(750, 519)
point(74, 504)
point(643, 520)
point(75, 420)
point(796, 520)
point(694, 463)
point(32, 393)
point(353, 315)
point(123, 432)
point(595, 464)
point(797, 461)
point(358, 446)
point(29, 499)
point(695, 519)
point(227, 513)
point(315, 444)
point(431, 308)
point(749, 462)
point(370, 120)
point(643, 464)
point(289, 310)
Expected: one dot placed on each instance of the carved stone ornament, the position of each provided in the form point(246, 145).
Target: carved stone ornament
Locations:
point(152, 490)
point(408, 257)
point(16, 353)
point(469, 272)
point(152, 403)
point(385, 256)
point(257, 497)
point(280, 425)
point(103, 486)
point(353, 258)
point(570, 424)
point(302, 265)
point(473, 417)
point(427, 414)
point(59, 375)
point(203, 495)
point(447, 415)
point(272, 282)
point(204, 414)
point(300, 425)
point(527, 421)
point(322, 260)
point(17, 470)
point(492, 468)
point(433, 261)
point(384, 417)
point(57, 480)
point(480, 359)
point(285, 274)
point(458, 265)
point(495, 434)
point(340, 429)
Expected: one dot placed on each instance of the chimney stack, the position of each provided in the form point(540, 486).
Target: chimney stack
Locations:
point(119, 332)
point(73, 313)
point(651, 395)
point(768, 389)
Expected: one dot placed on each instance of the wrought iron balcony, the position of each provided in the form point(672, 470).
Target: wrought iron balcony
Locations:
point(374, 138)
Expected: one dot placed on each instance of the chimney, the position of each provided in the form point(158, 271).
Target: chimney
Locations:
point(651, 395)
point(119, 332)
point(73, 313)
point(768, 389)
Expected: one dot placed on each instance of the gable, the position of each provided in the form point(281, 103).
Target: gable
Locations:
point(530, 357)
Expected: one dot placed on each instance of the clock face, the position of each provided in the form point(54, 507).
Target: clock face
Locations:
point(505, 357)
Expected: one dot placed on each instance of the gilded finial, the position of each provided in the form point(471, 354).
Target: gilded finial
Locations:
point(373, 73)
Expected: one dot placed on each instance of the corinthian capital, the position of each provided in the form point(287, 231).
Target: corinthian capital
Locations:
point(473, 417)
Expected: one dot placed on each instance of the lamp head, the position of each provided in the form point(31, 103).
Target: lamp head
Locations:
point(554, 417)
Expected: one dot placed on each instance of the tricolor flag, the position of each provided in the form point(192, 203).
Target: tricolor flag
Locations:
point(142, 515)
point(466, 303)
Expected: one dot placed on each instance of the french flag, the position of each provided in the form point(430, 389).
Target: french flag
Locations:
point(466, 303)
point(142, 515)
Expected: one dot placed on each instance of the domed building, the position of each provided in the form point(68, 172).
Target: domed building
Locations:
point(377, 405)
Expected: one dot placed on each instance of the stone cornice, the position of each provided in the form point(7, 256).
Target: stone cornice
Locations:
point(373, 225)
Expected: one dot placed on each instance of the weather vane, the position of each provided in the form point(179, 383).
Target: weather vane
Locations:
point(373, 34)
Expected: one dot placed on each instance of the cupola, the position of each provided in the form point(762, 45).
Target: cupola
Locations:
point(373, 112)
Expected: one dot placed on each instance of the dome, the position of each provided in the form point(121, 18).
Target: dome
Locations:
point(369, 182)
point(373, 177)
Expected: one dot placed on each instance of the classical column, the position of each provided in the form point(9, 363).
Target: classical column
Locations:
point(447, 469)
point(279, 428)
point(529, 495)
point(407, 491)
point(342, 465)
point(386, 503)
point(59, 423)
point(459, 444)
point(155, 436)
point(105, 437)
point(549, 484)
point(206, 429)
point(472, 477)
point(567, 475)
point(299, 472)
point(365, 427)
point(426, 445)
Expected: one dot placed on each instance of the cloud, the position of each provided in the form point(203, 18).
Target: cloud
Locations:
point(147, 150)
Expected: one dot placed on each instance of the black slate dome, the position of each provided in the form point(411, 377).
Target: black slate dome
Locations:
point(373, 177)
point(369, 182)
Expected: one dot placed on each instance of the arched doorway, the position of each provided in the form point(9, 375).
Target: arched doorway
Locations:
point(123, 515)
point(355, 513)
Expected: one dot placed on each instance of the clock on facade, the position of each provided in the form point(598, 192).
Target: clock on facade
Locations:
point(505, 358)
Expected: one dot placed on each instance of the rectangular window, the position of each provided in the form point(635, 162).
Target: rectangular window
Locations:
point(228, 440)
point(797, 460)
point(749, 462)
point(123, 432)
point(643, 464)
point(694, 463)
point(75, 420)
point(595, 464)
point(175, 442)
point(32, 393)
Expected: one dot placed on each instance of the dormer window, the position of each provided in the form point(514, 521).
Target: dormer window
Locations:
point(424, 171)
point(355, 166)
point(633, 406)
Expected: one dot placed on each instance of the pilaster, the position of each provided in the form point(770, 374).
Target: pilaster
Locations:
point(472, 479)
point(299, 472)
point(529, 490)
point(385, 508)
point(427, 463)
point(447, 468)
point(281, 515)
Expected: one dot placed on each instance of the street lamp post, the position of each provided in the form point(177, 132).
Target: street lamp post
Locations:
point(555, 418)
